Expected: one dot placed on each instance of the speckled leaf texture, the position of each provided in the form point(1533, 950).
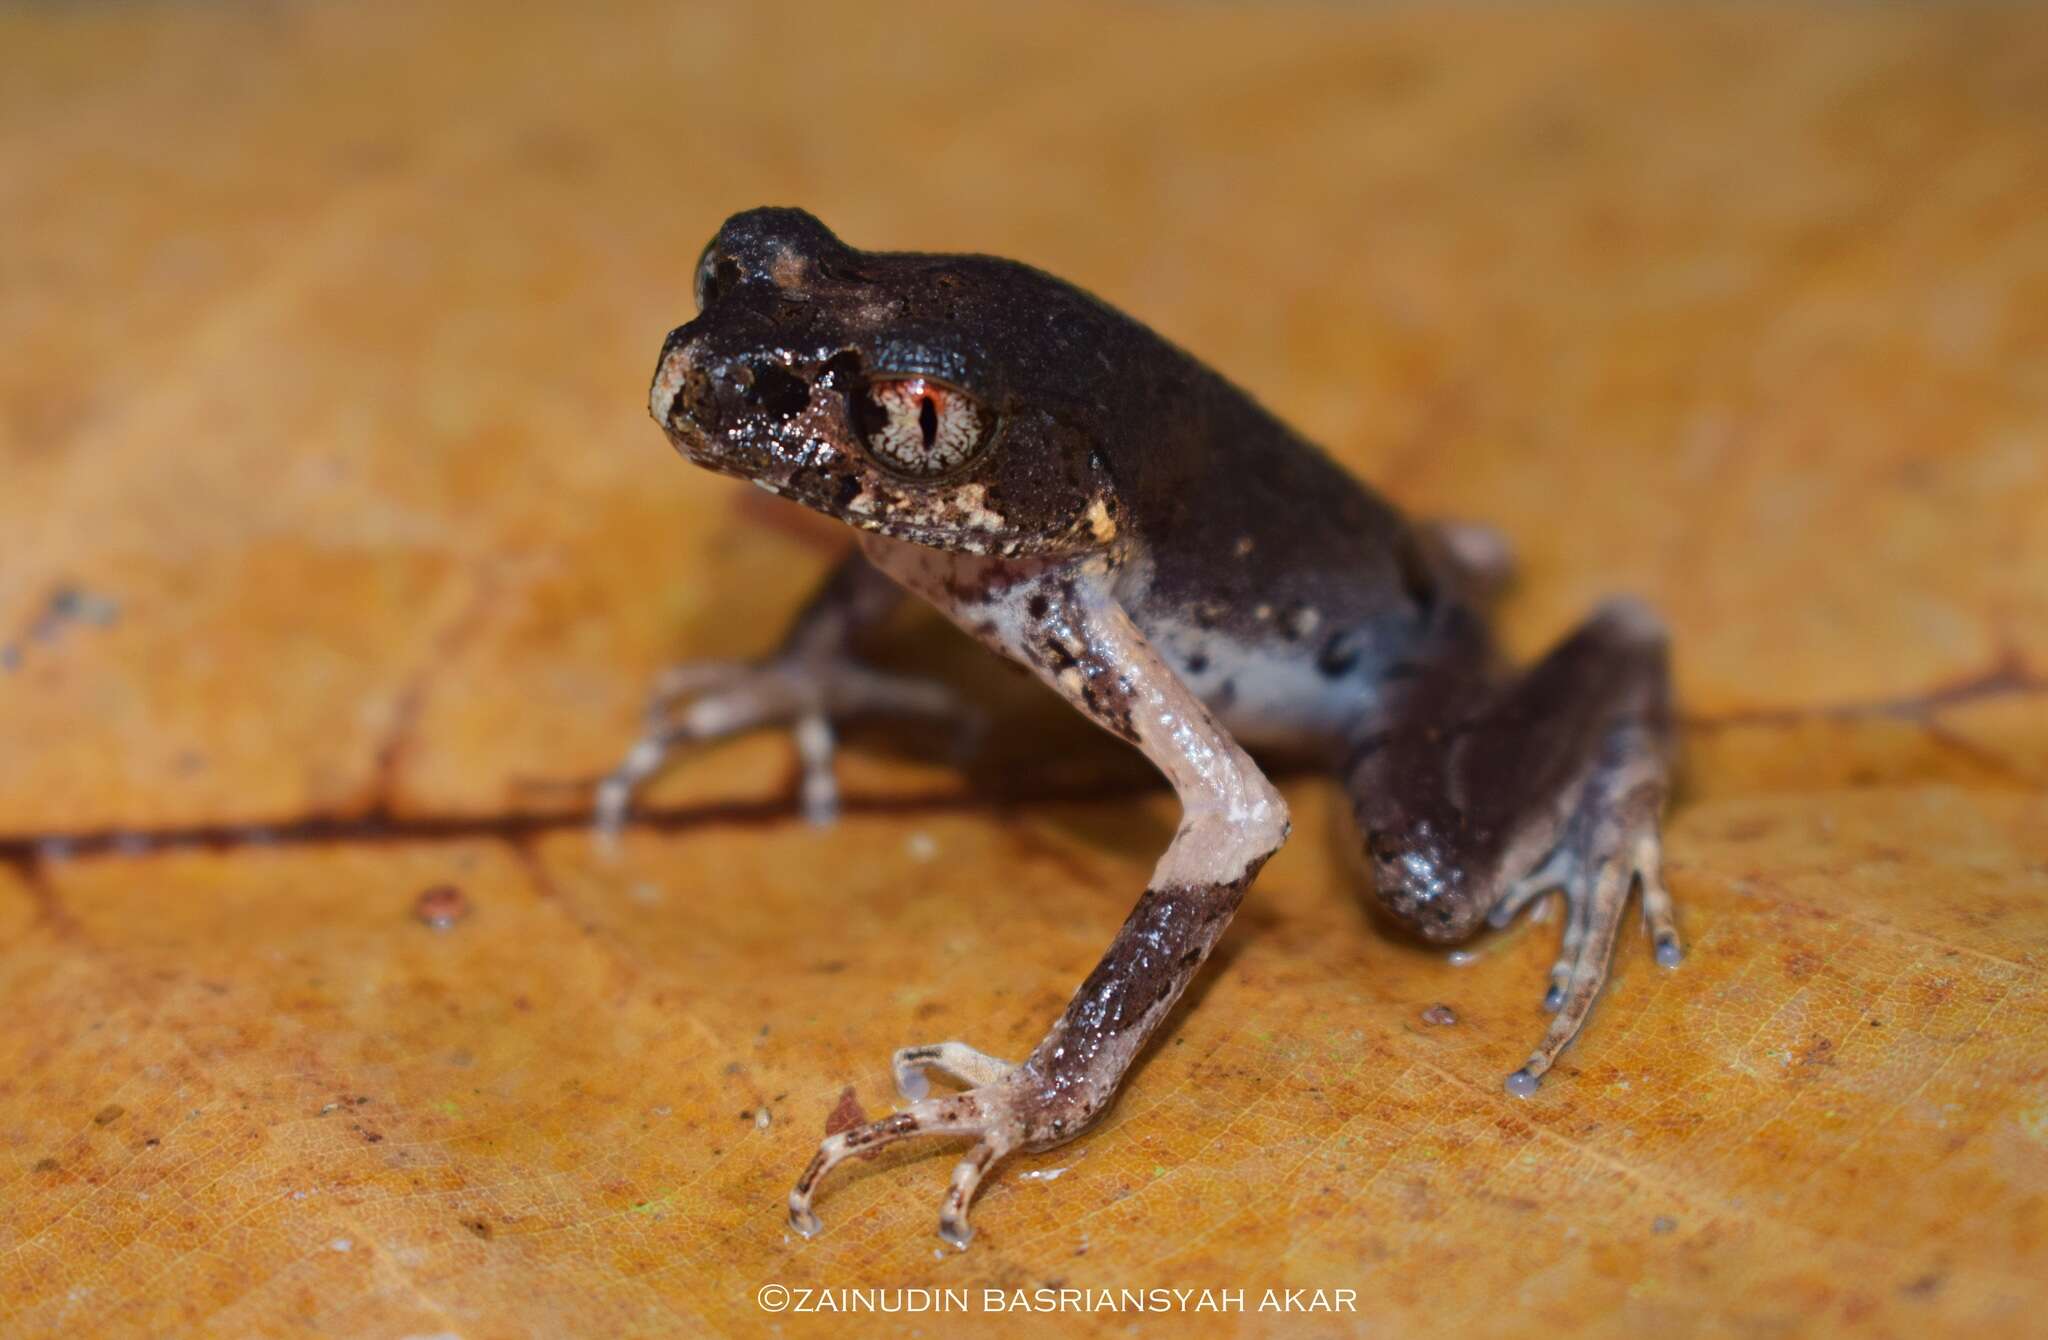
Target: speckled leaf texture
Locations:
point(337, 553)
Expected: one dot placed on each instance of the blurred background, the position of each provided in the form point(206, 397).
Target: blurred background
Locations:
point(339, 553)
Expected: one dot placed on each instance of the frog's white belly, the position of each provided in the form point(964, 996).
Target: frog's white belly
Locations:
point(1267, 697)
point(1268, 692)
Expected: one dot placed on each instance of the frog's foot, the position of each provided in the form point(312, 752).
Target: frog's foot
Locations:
point(1608, 849)
point(703, 701)
point(993, 1111)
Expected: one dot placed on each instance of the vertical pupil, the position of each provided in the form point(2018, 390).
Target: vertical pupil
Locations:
point(928, 421)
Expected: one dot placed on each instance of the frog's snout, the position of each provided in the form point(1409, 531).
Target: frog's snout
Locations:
point(676, 379)
point(692, 391)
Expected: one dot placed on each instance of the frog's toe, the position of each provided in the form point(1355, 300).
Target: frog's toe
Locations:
point(1617, 853)
point(1660, 916)
point(696, 703)
point(962, 1062)
point(818, 781)
point(1527, 892)
point(705, 701)
point(986, 1112)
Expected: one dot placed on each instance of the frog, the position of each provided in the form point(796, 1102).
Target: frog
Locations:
point(1195, 577)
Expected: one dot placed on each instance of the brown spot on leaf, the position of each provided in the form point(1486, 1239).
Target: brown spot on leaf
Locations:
point(846, 1114)
point(1801, 964)
point(440, 906)
point(1817, 1053)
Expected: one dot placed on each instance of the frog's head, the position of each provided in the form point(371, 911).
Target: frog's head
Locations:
point(929, 398)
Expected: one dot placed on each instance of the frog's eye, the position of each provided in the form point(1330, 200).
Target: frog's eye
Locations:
point(919, 426)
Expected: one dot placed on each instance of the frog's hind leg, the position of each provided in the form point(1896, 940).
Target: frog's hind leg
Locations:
point(1477, 804)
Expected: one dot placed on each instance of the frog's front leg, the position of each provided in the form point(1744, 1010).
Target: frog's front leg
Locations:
point(1059, 619)
point(807, 684)
point(1478, 800)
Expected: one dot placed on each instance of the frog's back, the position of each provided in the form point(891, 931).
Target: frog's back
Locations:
point(1288, 592)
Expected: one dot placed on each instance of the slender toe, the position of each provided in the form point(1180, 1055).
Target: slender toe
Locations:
point(953, 1225)
point(1660, 917)
point(820, 785)
point(1586, 975)
point(957, 1114)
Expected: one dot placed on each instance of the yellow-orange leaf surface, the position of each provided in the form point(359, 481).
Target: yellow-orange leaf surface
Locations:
point(336, 554)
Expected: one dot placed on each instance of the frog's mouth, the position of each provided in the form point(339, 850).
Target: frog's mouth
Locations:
point(698, 446)
point(826, 477)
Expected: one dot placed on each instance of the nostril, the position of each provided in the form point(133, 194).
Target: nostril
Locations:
point(779, 391)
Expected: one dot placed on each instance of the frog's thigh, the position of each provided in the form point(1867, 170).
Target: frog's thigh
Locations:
point(1556, 781)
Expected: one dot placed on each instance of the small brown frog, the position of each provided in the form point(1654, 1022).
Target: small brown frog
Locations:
point(1181, 567)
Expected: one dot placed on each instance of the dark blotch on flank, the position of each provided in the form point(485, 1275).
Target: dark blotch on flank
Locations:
point(1339, 655)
